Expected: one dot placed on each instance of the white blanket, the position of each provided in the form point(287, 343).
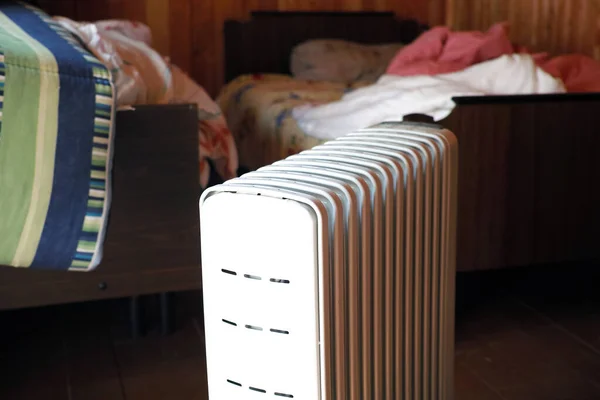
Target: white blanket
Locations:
point(393, 97)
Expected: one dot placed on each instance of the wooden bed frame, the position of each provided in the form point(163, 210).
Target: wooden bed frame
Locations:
point(528, 170)
point(152, 243)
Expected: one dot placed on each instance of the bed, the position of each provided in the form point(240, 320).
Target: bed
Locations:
point(527, 170)
point(95, 232)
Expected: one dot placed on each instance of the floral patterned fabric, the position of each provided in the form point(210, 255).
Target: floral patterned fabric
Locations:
point(340, 60)
point(215, 141)
point(258, 110)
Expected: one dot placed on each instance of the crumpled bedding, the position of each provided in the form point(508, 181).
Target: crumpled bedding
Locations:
point(441, 64)
point(579, 73)
point(143, 76)
point(392, 96)
point(259, 107)
point(341, 61)
point(441, 50)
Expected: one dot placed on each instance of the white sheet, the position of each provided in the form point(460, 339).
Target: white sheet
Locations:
point(393, 97)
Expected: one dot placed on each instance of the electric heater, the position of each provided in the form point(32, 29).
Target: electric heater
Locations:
point(330, 275)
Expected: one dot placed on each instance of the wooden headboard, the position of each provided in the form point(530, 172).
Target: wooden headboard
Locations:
point(263, 44)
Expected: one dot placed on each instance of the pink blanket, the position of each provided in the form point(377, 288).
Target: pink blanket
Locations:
point(579, 73)
point(441, 51)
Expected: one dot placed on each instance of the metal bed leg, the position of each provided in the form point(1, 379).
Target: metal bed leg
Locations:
point(135, 317)
point(166, 314)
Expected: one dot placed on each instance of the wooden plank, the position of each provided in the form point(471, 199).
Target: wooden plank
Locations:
point(509, 347)
point(468, 386)
point(495, 185)
point(299, 5)
point(223, 10)
point(135, 10)
point(92, 367)
point(255, 5)
point(525, 192)
point(348, 5)
point(567, 218)
point(180, 23)
point(116, 9)
point(523, 355)
point(436, 12)
point(519, 365)
point(32, 358)
point(157, 17)
point(206, 57)
point(410, 9)
point(381, 5)
point(369, 5)
point(65, 8)
point(93, 10)
point(543, 25)
point(450, 7)
point(568, 297)
point(158, 367)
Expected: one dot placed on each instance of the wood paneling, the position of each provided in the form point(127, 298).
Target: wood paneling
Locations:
point(256, 46)
point(208, 60)
point(524, 192)
point(190, 32)
point(555, 26)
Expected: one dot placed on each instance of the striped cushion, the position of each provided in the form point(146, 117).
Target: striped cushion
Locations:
point(56, 110)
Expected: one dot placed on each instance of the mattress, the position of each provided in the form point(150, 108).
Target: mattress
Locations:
point(56, 123)
point(258, 109)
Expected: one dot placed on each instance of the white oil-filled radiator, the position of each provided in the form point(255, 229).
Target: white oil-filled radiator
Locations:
point(330, 275)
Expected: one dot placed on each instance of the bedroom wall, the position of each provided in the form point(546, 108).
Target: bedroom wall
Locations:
point(190, 31)
point(556, 26)
point(209, 15)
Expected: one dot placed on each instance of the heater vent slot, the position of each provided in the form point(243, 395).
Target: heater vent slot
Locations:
point(254, 328)
point(259, 390)
point(228, 272)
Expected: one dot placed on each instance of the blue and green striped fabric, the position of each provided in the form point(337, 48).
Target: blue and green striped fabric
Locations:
point(56, 119)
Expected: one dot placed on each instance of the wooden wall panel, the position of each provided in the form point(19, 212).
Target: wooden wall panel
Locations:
point(209, 15)
point(180, 32)
point(190, 32)
point(556, 26)
point(157, 17)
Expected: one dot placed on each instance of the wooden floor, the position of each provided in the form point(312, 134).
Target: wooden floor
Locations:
point(527, 334)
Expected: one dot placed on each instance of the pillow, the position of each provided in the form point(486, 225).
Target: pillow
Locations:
point(340, 60)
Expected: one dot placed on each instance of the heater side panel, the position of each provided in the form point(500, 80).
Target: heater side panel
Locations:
point(260, 282)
